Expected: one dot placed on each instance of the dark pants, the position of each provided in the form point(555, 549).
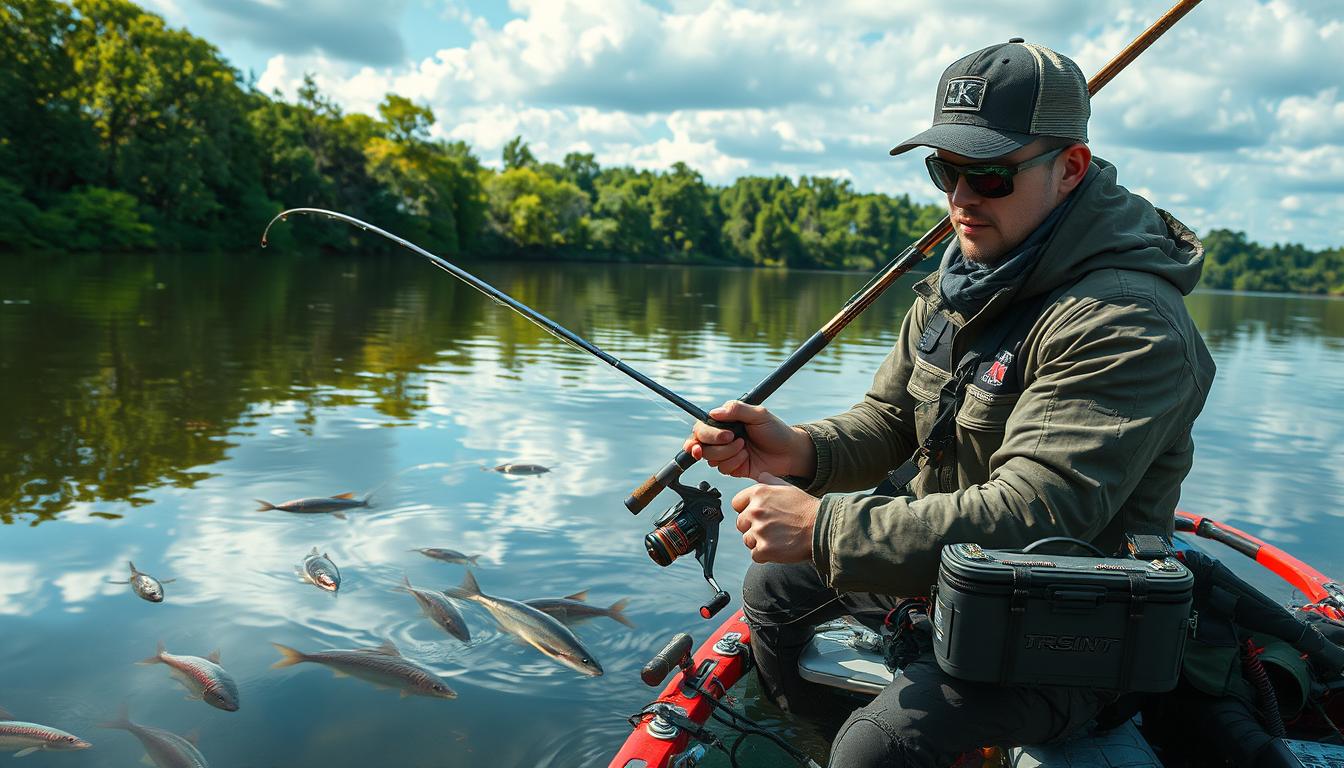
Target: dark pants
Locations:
point(925, 717)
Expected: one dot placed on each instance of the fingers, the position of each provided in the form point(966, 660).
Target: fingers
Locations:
point(736, 410)
point(707, 435)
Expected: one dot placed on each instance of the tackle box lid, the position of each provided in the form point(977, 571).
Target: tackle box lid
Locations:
point(996, 568)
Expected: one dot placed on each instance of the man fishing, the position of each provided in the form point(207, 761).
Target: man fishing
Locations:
point(1044, 383)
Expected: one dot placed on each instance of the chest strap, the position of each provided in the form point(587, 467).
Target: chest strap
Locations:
point(1014, 323)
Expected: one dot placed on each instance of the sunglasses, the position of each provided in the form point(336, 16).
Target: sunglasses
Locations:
point(986, 180)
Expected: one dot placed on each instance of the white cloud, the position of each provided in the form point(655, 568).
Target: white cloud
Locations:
point(1235, 108)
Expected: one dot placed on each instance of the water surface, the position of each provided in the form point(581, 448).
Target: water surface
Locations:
point(146, 402)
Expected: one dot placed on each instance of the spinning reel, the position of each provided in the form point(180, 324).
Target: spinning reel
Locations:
point(691, 524)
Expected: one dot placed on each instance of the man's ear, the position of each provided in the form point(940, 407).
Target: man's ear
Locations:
point(1075, 161)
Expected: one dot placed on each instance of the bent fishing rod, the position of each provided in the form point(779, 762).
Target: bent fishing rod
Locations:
point(499, 297)
point(907, 259)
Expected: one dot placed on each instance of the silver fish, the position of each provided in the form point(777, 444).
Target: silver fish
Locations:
point(336, 505)
point(448, 555)
point(383, 666)
point(519, 469)
point(204, 678)
point(144, 585)
point(165, 748)
point(533, 627)
point(440, 609)
point(572, 610)
point(28, 738)
point(318, 570)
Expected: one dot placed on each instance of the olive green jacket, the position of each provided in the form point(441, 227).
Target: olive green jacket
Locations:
point(1113, 374)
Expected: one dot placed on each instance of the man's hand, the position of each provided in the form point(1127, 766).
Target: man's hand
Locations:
point(776, 520)
point(771, 446)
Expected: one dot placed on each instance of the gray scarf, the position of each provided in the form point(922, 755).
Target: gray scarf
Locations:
point(966, 285)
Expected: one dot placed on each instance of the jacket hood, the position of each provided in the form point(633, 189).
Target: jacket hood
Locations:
point(1109, 227)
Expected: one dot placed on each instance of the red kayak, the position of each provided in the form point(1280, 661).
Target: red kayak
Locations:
point(663, 731)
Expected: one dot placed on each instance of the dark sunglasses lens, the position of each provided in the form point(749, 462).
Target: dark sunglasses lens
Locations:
point(990, 184)
point(944, 177)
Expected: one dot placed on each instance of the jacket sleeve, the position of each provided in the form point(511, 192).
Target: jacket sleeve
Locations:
point(855, 449)
point(1112, 389)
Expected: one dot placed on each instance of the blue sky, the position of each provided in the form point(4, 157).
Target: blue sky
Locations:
point(1233, 119)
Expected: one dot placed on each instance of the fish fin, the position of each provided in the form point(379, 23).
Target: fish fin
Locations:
point(214, 656)
point(387, 649)
point(122, 720)
point(193, 736)
point(314, 552)
point(346, 495)
point(405, 585)
point(5, 714)
point(147, 760)
point(265, 505)
point(113, 581)
point(580, 596)
point(157, 658)
point(473, 558)
point(288, 656)
point(133, 570)
point(469, 590)
point(404, 694)
point(617, 612)
point(339, 515)
point(168, 581)
point(26, 752)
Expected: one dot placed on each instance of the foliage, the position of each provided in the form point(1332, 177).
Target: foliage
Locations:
point(120, 132)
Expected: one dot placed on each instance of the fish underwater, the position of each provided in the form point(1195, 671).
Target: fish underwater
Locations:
point(335, 505)
point(448, 555)
point(532, 626)
point(144, 585)
point(318, 570)
point(519, 469)
point(164, 748)
point(28, 738)
point(439, 609)
point(573, 610)
point(383, 666)
point(204, 678)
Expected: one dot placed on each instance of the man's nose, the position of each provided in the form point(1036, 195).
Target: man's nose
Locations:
point(962, 195)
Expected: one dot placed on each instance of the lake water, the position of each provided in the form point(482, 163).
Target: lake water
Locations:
point(146, 402)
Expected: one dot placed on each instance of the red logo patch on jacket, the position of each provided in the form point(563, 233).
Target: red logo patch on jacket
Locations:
point(994, 376)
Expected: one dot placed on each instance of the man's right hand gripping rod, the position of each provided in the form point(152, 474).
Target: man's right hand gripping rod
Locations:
point(911, 256)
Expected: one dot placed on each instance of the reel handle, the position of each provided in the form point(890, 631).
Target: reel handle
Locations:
point(715, 604)
point(676, 653)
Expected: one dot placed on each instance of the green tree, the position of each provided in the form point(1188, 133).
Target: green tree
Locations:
point(517, 154)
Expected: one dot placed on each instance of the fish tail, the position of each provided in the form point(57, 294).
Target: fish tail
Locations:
point(133, 570)
point(468, 591)
point(157, 658)
point(265, 505)
point(122, 720)
point(288, 656)
point(473, 558)
point(617, 612)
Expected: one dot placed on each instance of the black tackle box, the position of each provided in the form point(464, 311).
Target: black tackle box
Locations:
point(1002, 616)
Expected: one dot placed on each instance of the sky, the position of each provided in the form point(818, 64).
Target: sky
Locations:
point(1233, 119)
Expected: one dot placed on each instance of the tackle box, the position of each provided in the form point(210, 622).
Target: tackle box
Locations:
point(1003, 616)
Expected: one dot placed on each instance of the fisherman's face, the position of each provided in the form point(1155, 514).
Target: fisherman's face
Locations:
point(989, 227)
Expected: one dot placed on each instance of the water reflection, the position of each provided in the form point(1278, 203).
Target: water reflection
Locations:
point(149, 402)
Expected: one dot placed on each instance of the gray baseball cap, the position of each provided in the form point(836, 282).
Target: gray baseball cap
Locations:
point(1002, 98)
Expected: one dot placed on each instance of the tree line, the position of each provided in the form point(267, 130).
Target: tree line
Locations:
point(120, 133)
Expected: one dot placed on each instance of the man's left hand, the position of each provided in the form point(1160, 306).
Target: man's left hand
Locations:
point(776, 520)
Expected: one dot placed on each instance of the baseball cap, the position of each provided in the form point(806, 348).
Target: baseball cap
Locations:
point(1002, 98)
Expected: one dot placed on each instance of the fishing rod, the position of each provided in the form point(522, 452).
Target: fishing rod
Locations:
point(499, 297)
point(861, 300)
